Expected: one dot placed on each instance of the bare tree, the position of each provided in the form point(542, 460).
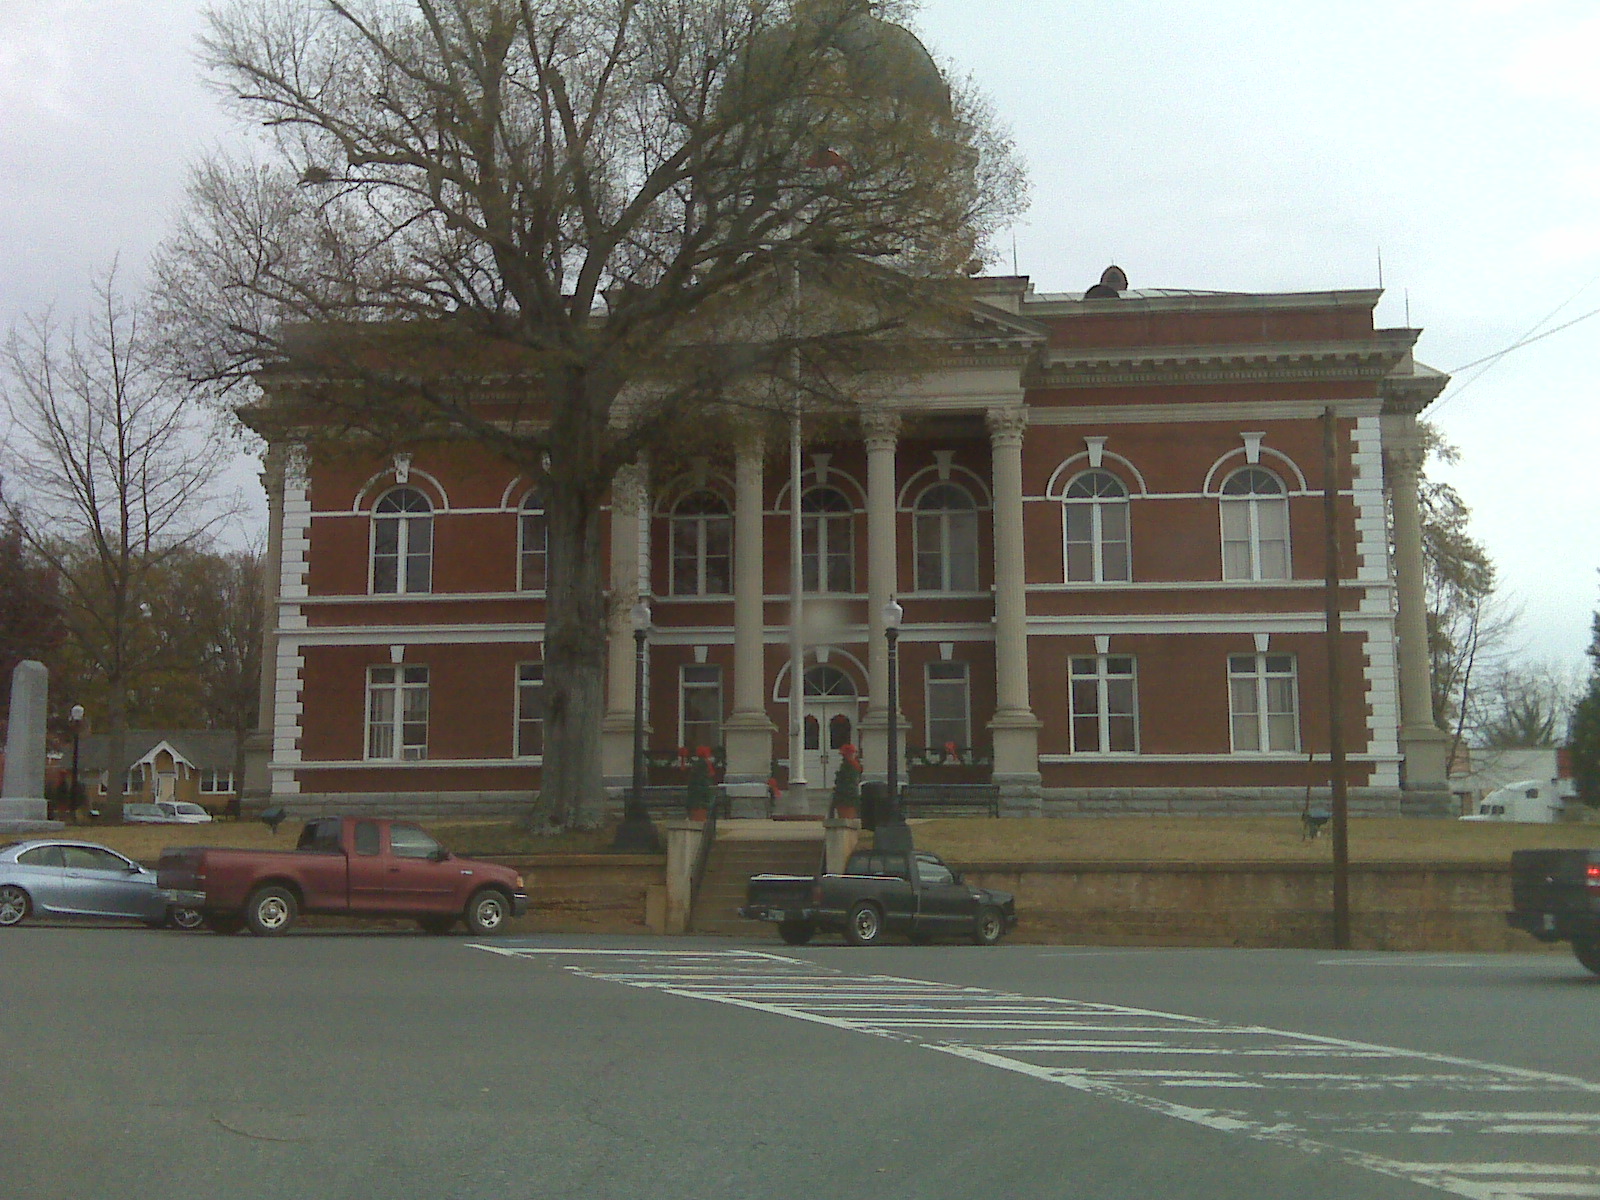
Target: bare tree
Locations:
point(565, 229)
point(1527, 705)
point(1469, 625)
point(118, 476)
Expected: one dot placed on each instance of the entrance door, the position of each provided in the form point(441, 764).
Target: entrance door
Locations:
point(832, 712)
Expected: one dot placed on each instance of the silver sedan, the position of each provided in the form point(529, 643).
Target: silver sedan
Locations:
point(51, 878)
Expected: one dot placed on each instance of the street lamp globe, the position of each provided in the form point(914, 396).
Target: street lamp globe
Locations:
point(893, 614)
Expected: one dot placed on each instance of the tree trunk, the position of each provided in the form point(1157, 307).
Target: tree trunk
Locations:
point(575, 634)
point(574, 658)
point(116, 753)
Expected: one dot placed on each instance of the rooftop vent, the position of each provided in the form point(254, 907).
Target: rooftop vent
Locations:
point(1112, 283)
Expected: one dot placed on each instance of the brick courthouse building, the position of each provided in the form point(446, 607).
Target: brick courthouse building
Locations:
point(1102, 516)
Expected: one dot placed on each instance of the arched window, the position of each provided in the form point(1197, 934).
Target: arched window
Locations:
point(531, 545)
point(702, 546)
point(402, 543)
point(827, 541)
point(946, 534)
point(1095, 521)
point(1255, 525)
point(829, 681)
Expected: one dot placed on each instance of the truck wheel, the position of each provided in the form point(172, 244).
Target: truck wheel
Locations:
point(988, 927)
point(226, 924)
point(270, 911)
point(1588, 954)
point(14, 905)
point(438, 925)
point(865, 926)
point(796, 933)
point(487, 912)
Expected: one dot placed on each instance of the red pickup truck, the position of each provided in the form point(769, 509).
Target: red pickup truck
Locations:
point(351, 866)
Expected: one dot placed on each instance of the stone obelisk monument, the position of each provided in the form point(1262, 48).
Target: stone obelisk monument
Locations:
point(22, 804)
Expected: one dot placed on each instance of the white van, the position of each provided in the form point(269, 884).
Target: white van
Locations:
point(1531, 801)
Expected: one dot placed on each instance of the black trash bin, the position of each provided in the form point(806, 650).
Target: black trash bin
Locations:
point(874, 804)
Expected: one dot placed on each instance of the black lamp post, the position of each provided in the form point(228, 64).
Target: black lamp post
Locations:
point(637, 834)
point(893, 833)
point(77, 730)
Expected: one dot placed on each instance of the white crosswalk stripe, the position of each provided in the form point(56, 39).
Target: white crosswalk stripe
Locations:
point(1148, 1059)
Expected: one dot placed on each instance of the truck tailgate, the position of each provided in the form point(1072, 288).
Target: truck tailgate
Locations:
point(1552, 881)
point(779, 891)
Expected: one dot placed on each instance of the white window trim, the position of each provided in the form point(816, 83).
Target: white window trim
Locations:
point(927, 701)
point(818, 524)
point(216, 776)
point(1253, 521)
point(676, 522)
point(516, 714)
point(522, 512)
point(944, 516)
point(402, 544)
point(1260, 677)
point(1102, 713)
point(683, 706)
point(1097, 541)
point(397, 716)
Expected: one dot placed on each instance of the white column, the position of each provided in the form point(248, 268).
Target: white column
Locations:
point(1424, 745)
point(616, 729)
point(1015, 729)
point(881, 432)
point(749, 729)
point(255, 788)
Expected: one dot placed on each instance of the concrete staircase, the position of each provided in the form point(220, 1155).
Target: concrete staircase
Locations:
point(732, 862)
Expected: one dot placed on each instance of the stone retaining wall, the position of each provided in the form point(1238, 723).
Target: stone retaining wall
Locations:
point(1394, 906)
point(1239, 802)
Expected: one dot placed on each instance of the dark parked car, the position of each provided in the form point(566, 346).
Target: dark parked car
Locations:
point(881, 893)
point(53, 878)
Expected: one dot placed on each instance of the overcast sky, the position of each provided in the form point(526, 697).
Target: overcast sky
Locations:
point(1218, 144)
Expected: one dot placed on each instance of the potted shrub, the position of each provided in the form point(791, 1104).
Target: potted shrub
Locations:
point(847, 784)
point(700, 792)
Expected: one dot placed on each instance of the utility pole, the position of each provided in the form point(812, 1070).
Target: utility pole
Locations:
point(1335, 630)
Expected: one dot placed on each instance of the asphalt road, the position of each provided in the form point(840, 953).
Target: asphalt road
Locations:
point(397, 1066)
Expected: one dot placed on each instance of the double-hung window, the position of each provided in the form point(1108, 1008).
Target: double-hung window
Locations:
point(1095, 525)
point(827, 541)
point(700, 707)
point(397, 713)
point(946, 534)
point(402, 543)
point(1263, 703)
point(213, 781)
point(530, 709)
point(949, 705)
point(1255, 526)
point(702, 546)
point(1105, 705)
point(532, 557)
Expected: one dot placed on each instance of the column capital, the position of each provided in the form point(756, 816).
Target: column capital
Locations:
point(1405, 459)
point(1006, 425)
point(880, 428)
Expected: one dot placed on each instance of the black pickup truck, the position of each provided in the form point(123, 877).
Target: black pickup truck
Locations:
point(878, 894)
point(1555, 895)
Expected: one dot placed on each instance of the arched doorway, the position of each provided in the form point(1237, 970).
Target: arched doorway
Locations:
point(832, 711)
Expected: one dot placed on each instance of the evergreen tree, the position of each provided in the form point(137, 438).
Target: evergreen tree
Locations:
point(1584, 731)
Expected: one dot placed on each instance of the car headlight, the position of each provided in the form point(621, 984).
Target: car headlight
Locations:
point(520, 884)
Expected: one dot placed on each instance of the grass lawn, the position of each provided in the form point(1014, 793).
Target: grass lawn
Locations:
point(979, 839)
point(1233, 839)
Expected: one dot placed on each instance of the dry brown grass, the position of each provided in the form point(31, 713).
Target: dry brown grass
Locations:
point(1234, 839)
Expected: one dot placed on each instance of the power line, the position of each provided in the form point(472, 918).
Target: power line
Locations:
point(1489, 361)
